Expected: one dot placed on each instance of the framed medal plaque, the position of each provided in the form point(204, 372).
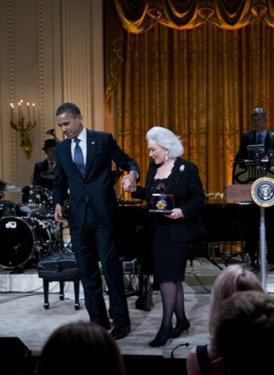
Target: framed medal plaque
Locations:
point(161, 203)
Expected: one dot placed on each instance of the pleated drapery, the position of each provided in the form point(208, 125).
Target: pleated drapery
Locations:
point(196, 67)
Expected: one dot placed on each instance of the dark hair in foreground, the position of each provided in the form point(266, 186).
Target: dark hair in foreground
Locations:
point(80, 348)
point(245, 333)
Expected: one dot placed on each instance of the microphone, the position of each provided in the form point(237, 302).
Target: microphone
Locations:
point(257, 160)
point(270, 154)
point(176, 347)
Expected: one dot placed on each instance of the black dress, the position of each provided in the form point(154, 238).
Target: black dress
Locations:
point(169, 256)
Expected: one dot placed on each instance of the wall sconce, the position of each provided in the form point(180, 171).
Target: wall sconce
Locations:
point(23, 124)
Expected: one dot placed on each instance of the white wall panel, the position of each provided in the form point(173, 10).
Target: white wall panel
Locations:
point(51, 51)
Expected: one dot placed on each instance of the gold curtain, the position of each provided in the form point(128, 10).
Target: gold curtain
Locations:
point(200, 76)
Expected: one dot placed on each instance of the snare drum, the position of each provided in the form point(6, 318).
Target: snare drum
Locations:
point(37, 199)
point(23, 240)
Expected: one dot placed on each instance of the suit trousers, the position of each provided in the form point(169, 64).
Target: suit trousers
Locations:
point(96, 243)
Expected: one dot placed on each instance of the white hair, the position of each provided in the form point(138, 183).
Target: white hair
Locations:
point(167, 139)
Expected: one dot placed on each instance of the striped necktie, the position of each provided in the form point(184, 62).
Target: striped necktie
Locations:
point(78, 157)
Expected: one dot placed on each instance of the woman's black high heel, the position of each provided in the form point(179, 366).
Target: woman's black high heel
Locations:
point(180, 328)
point(161, 338)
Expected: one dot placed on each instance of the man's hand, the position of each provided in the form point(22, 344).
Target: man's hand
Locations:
point(129, 183)
point(58, 214)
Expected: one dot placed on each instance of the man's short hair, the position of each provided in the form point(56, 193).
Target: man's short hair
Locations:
point(258, 111)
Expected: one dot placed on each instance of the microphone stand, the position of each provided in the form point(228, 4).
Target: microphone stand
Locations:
point(262, 247)
point(258, 166)
point(18, 269)
point(262, 193)
point(270, 155)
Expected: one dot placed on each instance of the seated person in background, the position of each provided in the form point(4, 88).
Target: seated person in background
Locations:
point(231, 279)
point(258, 135)
point(43, 170)
point(80, 348)
point(43, 175)
point(244, 333)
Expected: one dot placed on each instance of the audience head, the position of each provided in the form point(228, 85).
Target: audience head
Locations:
point(231, 279)
point(166, 139)
point(245, 333)
point(80, 348)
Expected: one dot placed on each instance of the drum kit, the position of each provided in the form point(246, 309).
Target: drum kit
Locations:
point(28, 231)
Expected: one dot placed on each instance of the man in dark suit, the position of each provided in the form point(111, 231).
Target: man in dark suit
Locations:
point(83, 167)
point(39, 192)
point(258, 135)
point(43, 170)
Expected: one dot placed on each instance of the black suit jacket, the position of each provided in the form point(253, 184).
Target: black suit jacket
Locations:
point(250, 139)
point(186, 186)
point(96, 188)
point(37, 179)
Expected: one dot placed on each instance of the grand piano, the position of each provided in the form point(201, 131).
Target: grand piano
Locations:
point(230, 227)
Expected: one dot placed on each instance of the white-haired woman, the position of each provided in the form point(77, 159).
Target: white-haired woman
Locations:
point(172, 232)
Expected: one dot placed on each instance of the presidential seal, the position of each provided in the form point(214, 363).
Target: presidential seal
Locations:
point(262, 191)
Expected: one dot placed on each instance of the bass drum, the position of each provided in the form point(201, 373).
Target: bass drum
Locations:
point(23, 241)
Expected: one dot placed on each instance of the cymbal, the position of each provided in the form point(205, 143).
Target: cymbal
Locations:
point(32, 208)
point(25, 209)
point(5, 186)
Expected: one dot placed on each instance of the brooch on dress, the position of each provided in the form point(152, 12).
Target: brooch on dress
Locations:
point(182, 168)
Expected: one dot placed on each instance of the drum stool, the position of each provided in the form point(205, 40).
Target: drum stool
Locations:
point(59, 267)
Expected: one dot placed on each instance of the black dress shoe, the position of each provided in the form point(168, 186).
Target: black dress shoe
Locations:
point(118, 332)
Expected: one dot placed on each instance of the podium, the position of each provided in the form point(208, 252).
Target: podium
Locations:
point(261, 192)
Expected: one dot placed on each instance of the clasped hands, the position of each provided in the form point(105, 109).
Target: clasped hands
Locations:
point(129, 183)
